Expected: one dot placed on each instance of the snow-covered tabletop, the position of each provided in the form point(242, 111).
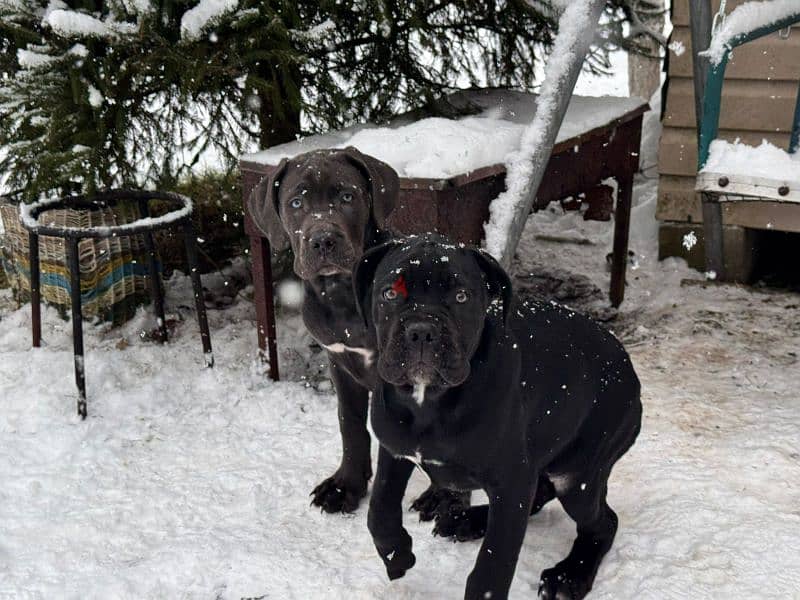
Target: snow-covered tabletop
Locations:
point(758, 171)
point(440, 148)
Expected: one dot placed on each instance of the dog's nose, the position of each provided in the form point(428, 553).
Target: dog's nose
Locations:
point(422, 334)
point(323, 242)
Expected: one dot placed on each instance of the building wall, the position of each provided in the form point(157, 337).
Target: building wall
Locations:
point(758, 102)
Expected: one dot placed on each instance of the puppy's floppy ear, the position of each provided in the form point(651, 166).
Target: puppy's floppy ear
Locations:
point(263, 205)
point(364, 276)
point(383, 181)
point(497, 280)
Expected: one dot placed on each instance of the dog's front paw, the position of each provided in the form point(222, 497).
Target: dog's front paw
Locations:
point(435, 500)
point(558, 584)
point(337, 494)
point(462, 525)
point(398, 562)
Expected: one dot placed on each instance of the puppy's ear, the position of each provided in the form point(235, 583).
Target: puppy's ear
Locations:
point(383, 180)
point(263, 205)
point(497, 280)
point(364, 276)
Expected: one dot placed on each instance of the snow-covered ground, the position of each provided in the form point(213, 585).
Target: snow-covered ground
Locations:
point(187, 482)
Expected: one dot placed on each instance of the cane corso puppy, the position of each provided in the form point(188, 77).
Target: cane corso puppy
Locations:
point(331, 206)
point(482, 391)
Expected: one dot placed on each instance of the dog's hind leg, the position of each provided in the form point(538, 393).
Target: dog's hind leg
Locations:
point(597, 525)
point(469, 523)
point(344, 489)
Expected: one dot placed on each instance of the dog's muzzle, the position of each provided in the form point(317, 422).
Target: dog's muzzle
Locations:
point(423, 351)
point(324, 251)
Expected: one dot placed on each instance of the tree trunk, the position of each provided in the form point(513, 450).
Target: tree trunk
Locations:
point(644, 72)
point(278, 124)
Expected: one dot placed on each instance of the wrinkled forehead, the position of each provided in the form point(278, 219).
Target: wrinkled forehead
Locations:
point(431, 265)
point(322, 171)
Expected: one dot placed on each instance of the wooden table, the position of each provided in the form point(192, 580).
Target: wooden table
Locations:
point(458, 206)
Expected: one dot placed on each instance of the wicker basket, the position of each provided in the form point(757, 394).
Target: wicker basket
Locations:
point(113, 270)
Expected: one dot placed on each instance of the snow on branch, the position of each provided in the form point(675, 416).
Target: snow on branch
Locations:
point(197, 19)
point(71, 24)
point(525, 167)
point(316, 33)
point(746, 18)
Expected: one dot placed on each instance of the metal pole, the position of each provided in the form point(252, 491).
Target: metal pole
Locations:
point(700, 20)
point(77, 322)
point(197, 285)
point(156, 289)
point(36, 306)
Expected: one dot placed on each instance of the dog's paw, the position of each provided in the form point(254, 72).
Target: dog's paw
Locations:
point(336, 495)
point(398, 562)
point(435, 500)
point(557, 584)
point(462, 525)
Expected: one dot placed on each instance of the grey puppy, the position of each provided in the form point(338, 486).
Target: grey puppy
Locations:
point(331, 206)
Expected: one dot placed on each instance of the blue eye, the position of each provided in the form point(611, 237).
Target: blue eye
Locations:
point(347, 197)
point(296, 203)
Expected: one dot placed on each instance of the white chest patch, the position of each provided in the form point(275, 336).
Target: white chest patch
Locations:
point(561, 482)
point(419, 393)
point(339, 348)
point(418, 460)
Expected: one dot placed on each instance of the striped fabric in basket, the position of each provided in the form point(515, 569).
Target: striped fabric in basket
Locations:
point(113, 270)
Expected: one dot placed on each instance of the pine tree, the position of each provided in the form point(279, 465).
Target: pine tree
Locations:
point(100, 93)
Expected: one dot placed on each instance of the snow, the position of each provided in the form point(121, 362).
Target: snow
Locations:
point(677, 47)
point(197, 19)
point(746, 18)
point(767, 161)
point(27, 219)
point(79, 50)
point(70, 23)
point(439, 148)
point(95, 97)
point(31, 59)
point(315, 33)
point(193, 482)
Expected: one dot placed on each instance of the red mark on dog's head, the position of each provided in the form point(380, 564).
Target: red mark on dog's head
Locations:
point(399, 286)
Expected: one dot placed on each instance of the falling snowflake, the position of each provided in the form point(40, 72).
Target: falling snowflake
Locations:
point(689, 240)
point(677, 47)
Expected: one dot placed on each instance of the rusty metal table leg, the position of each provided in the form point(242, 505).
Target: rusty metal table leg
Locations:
point(77, 322)
point(622, 221)
point(36, 299)
point(265, 304)
point(197, 285)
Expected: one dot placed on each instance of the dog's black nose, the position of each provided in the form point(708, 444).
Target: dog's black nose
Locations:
point(421, 334)
point(323, 242)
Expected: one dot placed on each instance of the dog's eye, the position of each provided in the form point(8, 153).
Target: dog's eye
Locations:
point(347, 197)
point(296, 202)
point(389, 294)
point(461, 296)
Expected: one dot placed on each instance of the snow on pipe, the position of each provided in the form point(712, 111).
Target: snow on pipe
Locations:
point(525, 167)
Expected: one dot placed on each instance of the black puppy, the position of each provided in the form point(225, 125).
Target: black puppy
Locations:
point(332, 205)
point(481, 391)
